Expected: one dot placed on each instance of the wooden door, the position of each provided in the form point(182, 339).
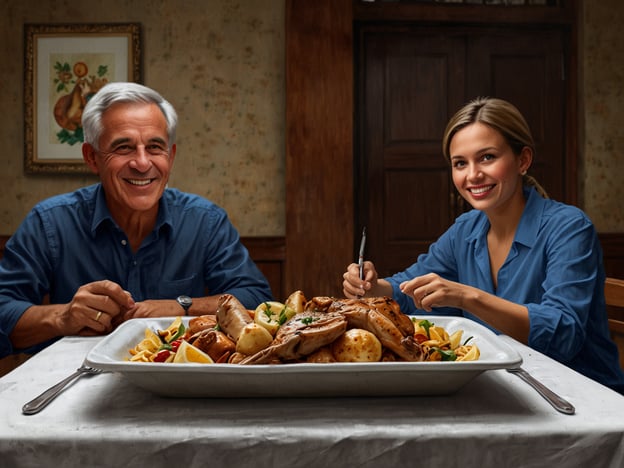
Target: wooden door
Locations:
point(527, 67)
point(411, 81)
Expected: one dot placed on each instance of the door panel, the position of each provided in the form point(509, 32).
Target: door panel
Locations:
point(409, 223)
point(525, 67)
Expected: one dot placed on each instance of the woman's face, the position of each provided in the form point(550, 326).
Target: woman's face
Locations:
point(486, 172)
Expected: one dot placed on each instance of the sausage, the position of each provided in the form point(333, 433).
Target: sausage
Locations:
point(232, 316)
point(200, 323)
point(215, 344)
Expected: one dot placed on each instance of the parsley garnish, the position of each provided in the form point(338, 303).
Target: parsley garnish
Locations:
point(178, 334)
point(426, 324)
point(308, 320)
point(282, 317)
point(446, 355)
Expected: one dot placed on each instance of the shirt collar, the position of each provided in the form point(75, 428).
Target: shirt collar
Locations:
point(101, 214)
point(527, 228)
point(530, 222)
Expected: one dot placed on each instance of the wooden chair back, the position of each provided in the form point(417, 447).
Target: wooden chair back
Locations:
point(614, 295)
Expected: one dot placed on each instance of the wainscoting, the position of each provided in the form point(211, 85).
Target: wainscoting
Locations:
point(613, 253)
point(269, 253)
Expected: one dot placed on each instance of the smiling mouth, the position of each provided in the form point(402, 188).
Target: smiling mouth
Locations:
point(480, 190)
point(140, 182)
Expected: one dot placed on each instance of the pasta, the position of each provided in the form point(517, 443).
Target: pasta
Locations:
point(438, 345)
point(160, 346)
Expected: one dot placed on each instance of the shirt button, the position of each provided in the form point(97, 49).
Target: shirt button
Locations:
point(124, 242)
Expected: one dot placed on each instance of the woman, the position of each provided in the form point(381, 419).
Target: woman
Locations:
point(518, 263)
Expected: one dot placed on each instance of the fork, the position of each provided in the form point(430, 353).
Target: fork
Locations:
point(560, 404)
point(43, 400)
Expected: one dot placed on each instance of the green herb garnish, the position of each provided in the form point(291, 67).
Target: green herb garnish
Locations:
point(446, 355)
point(308, 320)
point(426, 324)
point(282, 317)
point(179, 333)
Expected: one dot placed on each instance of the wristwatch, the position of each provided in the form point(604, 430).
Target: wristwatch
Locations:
point(186, 303)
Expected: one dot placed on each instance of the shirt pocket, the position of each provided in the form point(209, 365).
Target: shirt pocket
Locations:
point(170, 289)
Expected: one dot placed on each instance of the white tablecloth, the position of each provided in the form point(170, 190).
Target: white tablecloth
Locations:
point(495, 420)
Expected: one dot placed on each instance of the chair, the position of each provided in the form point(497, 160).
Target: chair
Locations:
point(614, 296)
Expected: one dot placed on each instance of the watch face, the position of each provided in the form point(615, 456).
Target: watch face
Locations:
point(185, 301)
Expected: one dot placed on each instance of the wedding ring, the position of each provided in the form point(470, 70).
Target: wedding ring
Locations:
point(97, 317)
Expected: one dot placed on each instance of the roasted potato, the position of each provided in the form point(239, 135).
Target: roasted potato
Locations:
point(321, 355)
point(252, 339)
point(357, 345)
point(271, 315)
point(296, 301)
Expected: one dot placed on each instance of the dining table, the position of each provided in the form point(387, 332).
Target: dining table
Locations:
point(495, 419)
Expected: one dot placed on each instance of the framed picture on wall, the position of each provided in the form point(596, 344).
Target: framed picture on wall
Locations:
point(64, 66)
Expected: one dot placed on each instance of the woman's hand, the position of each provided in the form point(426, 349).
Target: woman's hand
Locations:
point(431, 290)
point(353, 287)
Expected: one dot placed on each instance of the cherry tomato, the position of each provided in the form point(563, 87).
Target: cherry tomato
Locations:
point(162, 355)
point(175, 345)
point(420, 337)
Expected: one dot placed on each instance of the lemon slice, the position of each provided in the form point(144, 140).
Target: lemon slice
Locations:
point(189, 353)
point(271, 315)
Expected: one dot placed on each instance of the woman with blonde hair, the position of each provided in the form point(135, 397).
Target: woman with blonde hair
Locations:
point(518, 262)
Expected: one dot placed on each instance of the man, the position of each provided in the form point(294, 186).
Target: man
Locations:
point(126, 247)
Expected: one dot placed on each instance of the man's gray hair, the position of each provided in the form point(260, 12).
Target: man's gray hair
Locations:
point(120, 92)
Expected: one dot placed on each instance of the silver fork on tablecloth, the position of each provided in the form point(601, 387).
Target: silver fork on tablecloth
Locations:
point(560, 404)
point(43, 400)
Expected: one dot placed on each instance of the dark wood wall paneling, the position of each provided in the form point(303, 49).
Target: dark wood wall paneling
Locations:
point(613, 253)
point(319, 145)
point(269, 253)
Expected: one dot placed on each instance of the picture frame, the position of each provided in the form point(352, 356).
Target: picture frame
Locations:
point(64, 66)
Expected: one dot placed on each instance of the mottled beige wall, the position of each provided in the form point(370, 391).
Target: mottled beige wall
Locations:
point(602, 63)
point(219, 62)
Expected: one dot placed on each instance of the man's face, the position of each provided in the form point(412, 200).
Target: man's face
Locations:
point(133, 159)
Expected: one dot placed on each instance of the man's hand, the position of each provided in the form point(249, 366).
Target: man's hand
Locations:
point(153, 308)
point(95, 307)
point(94, 310)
